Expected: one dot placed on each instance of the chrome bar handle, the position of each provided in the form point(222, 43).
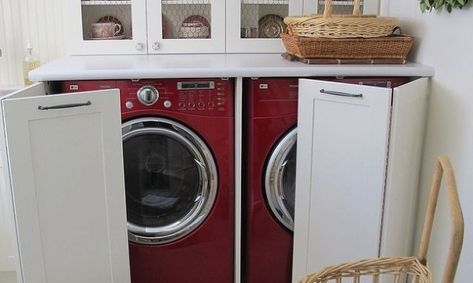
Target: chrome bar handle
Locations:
point(62, 106)
point(341, 93)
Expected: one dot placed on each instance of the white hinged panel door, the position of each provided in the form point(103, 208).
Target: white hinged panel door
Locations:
point(66, 175)
point(341, 164)
point(107, 27)
point(402, 182)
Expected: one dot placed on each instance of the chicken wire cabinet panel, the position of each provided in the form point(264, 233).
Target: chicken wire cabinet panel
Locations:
point(64, 156)
point(107, 27)
point(256, 25)
point(186, 26)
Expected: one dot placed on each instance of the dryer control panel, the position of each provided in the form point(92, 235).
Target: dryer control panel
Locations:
point(208, 96)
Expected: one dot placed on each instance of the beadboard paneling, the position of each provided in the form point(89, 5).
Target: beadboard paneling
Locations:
point(40, 22)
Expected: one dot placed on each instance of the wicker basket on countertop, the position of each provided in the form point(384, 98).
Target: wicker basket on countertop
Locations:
point(341, 26)
point(387, 47)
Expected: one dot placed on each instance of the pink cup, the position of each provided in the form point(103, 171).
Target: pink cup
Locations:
point(104, 30)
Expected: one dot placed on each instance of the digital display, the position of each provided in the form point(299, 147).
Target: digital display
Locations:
point(195, 85)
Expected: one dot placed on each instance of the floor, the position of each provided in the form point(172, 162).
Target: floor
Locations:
point(7, 277)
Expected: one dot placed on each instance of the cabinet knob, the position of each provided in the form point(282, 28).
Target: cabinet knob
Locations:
point(155, 45)
point(140, 46)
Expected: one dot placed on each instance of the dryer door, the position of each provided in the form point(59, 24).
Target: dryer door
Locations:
point(280, 180)
point(170, 180)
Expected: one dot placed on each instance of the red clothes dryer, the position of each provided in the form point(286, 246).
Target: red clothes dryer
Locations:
point(178, 146)
point(270, 180)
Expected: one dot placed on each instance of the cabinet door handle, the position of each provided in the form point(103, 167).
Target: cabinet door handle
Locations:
point(62, 106)
point(341, 93)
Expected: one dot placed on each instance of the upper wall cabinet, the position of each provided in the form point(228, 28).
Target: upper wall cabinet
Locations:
point(188, 26)
point(108, 27)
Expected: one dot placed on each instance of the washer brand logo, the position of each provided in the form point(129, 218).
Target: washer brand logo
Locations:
point(74, 87)
point(263, 86)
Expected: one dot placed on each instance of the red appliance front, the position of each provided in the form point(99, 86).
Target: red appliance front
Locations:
point(267, 243)
point(206, 253)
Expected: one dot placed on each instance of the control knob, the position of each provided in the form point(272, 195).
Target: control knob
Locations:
point(148, 95)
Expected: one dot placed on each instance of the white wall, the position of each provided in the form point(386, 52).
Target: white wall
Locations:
point(41, 22)
point(445, 42)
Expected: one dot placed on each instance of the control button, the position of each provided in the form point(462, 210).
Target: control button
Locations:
point(168, 104)
point(182, 105)
point(129, 105)
point(148, 95)
point(201, 104)
point(220, 103)
point(211, 104)
point(191, 105)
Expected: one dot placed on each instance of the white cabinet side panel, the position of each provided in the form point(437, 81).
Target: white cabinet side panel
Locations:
point(66, 169)
point(405, 151)
point(341, 157)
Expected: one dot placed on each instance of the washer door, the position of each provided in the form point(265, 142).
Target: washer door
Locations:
point(170, 180)
point(280, 180)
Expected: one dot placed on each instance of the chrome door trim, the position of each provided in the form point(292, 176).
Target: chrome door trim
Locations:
point(208, 180)
point(274, 179)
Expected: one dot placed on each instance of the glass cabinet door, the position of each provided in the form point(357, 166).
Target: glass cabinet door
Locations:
point(256, 25)
point(108, 27)
point(190, 26)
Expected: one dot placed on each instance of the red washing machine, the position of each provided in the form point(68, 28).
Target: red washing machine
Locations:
point(270, 180)
point(178, 146)
point(268, 219)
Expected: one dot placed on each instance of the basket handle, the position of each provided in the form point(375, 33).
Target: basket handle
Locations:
point(328, 8)
point(443, 167)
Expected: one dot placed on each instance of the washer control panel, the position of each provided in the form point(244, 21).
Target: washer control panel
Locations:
point(196, 96)
point(203, 96)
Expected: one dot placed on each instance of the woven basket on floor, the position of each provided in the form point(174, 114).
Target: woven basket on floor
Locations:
point(388, 47)
point(398, 268)
point(341, 26)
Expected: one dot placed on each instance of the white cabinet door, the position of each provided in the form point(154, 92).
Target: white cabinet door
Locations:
point(341, 163)
point(186, 26)
point(107, 27)
point(254, 25)
point(66, 175)
point(402, 180)
point(6, 226)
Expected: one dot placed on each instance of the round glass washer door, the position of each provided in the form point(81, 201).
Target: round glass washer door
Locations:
point(280, 180)
point(170, 180)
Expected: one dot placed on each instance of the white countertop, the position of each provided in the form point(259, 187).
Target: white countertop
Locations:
point(207, 65)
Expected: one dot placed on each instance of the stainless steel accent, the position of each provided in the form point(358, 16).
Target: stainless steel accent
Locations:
point(63, 106)
point(196, 85)
point(140, 46)
point(155, 45)
point(167, 103)
point(207, 172)
point(148, 95)
point(338, 93)
point(129, 105)
point(274, 179)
